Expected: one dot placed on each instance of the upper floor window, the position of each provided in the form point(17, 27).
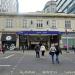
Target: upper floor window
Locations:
point(9, 23)
point(24, 23)
point(53, 26)
point(39, 23)
point(67, 24)
point(47, 22)
point(31, 22)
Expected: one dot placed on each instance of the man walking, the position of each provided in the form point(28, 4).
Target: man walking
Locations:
point(37, 50)
point(58, 50)
point(73, 47)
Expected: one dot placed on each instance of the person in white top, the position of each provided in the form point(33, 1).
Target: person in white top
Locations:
point(52, 52)
point(42, 49)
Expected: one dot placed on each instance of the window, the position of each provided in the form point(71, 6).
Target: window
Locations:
point(31, 22)
point(9, 23)
point(24, 23)
point(67, 24)
point(39, 24)
point(53, 24)
point(47, 22)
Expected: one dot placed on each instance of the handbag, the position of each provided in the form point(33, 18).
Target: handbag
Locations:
point(50, 53)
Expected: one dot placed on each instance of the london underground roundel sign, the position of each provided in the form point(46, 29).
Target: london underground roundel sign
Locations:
point(8, 38)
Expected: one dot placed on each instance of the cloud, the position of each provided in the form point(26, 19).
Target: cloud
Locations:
point(31, 5)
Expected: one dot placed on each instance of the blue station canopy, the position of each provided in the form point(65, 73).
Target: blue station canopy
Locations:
point(38, 32)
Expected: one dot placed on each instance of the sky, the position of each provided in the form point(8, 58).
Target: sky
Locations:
point(31, 5)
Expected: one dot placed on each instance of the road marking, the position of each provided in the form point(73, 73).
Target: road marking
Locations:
point(9, 56)
point(5, 65)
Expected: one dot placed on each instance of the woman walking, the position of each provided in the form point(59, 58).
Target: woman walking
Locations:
point(52, 52)
point(42, 49)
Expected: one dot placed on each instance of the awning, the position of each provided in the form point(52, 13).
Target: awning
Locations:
point(8, 37)
point(38, 32)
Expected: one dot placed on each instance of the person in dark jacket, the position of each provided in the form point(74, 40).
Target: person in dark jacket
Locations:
point(73, 47)
point(3, 49)
point(58, 50)
point(37, 50)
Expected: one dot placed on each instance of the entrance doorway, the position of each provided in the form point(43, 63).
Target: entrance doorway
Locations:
point(29, 41)
point(23, 43)
point(38, 39)
point(54, 39)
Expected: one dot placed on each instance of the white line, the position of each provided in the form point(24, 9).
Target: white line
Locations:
point(9, 56)
point(5, 65)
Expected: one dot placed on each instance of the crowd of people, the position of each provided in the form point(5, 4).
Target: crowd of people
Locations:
point(54, 50)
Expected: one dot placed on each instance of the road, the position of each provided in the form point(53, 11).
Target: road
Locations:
point(18, 63)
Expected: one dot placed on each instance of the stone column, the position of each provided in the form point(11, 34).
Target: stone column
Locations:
point(28, 41)
point(49, 43)
point(17, 41)
point(0, 39)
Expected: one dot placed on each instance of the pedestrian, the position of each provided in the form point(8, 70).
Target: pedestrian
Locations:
point(0, 48)
point(23, 48)
point(73, 47)
point(52, 52)
point(3, 49)
point(37, 50)
point(57, 52)
point(42, 49)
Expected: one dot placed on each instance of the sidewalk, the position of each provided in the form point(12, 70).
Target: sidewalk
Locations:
point(32, 52)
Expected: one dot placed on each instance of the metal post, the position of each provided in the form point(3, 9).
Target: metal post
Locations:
point(67, 41)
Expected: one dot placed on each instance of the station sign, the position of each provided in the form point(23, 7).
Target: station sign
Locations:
point(38, 32)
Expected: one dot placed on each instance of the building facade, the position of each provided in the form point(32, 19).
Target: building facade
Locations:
point(50, 7)
point(66, 6)
point(8, 6)
point(27, 30)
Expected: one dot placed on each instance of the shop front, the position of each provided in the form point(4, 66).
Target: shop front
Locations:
point(9, 40)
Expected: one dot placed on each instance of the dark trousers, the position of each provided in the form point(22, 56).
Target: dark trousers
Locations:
point(37, 55)
point(52, 57)
point(3, 51)
point(43, 52)
point(74, 50)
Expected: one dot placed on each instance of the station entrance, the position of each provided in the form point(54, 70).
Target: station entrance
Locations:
point(29, 41)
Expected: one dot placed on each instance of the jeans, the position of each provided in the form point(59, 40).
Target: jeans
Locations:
point(43, 53)
point(52, 57)
point(57, 59)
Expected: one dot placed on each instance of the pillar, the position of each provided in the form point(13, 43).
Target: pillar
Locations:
point(17, 42)
point(0, 40)
point(49, 43)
